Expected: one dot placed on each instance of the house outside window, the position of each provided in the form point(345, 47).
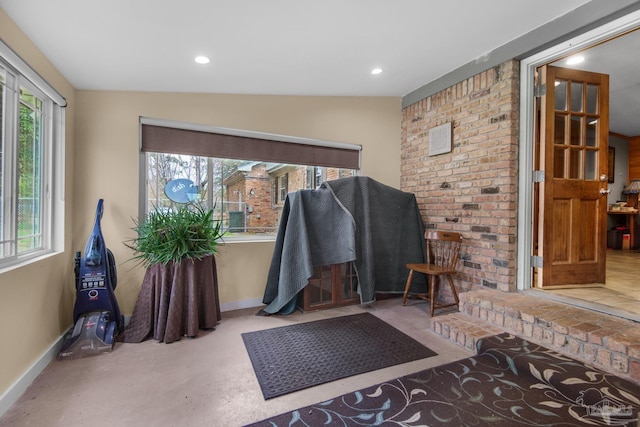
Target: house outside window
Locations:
point(283, 187)
point(315, 176)
point(246, 195)
point(30, 123)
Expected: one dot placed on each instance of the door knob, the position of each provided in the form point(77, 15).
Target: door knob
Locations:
point(605, 191)
point(604, 178)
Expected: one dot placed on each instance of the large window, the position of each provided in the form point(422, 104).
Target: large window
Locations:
point(247, 195)
point(30, 121)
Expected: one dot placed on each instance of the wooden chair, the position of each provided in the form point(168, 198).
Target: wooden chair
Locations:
point(443, 248)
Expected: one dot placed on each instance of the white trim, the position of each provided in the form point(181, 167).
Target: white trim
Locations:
point(14, 60)
point(525, 185)
point(238, 305)
point(527, 73)
point(247, 133)
point(17, 389)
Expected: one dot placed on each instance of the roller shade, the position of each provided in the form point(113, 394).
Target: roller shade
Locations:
point(245, 145)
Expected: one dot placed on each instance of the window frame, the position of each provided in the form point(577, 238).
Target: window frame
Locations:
point(315, 176)
point(18, 76)
point(282, 187)
point(205, 141)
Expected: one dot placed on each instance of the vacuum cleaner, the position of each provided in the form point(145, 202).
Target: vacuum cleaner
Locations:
point(96, 315)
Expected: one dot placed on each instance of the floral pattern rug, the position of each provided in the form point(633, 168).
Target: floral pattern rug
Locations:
point(510, 382)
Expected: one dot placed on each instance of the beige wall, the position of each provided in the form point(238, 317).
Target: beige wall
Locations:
point(36, 300)
point(106, 159)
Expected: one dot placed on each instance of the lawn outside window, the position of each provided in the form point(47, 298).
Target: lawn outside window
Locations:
point(31, 164)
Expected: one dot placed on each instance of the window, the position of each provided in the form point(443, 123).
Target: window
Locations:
point(315, 176)
point(31, 123)
point(247, 195)
point(283, 187)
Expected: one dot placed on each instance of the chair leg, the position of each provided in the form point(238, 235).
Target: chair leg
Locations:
point(406, 287)
point(432, 292)
point(453, 289)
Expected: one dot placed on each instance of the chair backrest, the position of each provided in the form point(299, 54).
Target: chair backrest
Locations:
point(443, 248)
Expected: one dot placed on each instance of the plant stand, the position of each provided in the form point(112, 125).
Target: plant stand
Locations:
point(175, 300)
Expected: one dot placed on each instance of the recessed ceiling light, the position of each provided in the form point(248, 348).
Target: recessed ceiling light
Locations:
point(575, 60)
point(202, 60)
point(376, 71)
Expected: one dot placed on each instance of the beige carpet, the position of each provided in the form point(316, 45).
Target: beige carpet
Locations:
point(206, 381)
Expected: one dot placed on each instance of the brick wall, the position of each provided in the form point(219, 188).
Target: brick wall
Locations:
point(472, 189)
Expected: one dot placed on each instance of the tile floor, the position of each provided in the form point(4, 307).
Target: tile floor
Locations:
point(621, 295)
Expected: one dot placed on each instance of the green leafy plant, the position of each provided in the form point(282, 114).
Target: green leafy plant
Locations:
point(166, 235)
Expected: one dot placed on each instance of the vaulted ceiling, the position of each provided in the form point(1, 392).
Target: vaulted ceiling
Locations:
point(277, 47)
point(285, 47)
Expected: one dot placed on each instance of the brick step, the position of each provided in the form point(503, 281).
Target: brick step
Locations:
point(462, 329)
point(609, 343)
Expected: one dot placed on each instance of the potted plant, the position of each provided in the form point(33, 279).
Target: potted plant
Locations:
point(165, 235)
point(179, 292)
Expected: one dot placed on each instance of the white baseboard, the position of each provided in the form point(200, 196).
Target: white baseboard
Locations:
point(13, 393)
point(237, 305)
point(17, 389)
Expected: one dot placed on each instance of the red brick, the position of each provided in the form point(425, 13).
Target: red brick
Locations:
point(581, 331)
point(484, 154)
point(603, 357)
point(620, 363)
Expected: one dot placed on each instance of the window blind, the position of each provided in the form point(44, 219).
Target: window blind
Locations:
point(198, 140)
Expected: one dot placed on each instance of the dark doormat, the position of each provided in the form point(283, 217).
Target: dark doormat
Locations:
point(292, 358)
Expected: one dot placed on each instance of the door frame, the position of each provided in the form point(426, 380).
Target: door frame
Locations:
point(528, 66)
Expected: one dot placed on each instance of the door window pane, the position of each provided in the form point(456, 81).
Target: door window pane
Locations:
point(576, 97)
point(592, 99)
point(575, 164)
point(591, 133)
point(559, 130)
point(561, 95)
point(576, 131)
point(590, 164)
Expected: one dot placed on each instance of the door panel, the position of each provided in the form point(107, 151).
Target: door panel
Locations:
point(571, 203)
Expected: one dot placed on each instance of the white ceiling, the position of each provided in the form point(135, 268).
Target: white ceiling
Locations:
point(299, 47)
point(278, 47)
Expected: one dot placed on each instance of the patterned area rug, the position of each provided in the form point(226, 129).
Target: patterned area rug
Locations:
point(511, 382)
point(291, 358)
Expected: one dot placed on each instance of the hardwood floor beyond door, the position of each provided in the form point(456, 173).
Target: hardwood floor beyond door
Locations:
point(622, 289)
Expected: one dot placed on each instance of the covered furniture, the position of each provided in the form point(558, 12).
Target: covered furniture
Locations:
point(442, 249)
point(354, 219)
point(175, 300)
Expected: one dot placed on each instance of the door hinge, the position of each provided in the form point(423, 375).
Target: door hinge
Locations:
point(540, 90)
point(537, 176)
point(536, 261)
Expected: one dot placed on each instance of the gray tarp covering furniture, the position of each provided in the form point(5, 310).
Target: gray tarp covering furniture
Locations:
point(350, 219)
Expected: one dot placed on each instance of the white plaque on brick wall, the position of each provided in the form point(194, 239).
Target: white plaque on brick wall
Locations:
point(440, 139)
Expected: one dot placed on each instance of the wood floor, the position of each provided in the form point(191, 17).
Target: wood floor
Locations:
point(621, 294)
